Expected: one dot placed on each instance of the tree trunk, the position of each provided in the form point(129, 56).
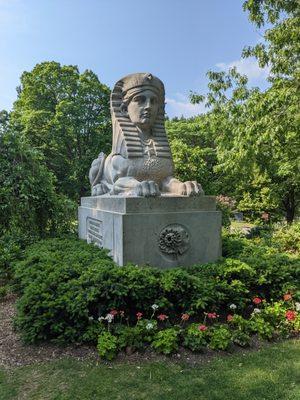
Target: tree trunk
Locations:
point(289, 204)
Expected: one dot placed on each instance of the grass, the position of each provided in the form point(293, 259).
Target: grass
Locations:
point(272, 373)
point(241, 224)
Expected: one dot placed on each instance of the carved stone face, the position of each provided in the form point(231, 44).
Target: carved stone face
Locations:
point(143, 108)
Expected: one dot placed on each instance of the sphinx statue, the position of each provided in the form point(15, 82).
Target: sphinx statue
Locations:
point(140, 163)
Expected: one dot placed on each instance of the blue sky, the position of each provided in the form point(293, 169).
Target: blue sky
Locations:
point(176, 40)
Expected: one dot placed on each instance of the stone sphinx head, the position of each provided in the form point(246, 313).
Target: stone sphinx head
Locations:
point(137, 105)
point(143, 98)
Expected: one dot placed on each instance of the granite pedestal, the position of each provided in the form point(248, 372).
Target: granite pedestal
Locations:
point(166, 231)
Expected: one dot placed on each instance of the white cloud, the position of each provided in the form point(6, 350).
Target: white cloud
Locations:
point(182, 106)
point(246, 66)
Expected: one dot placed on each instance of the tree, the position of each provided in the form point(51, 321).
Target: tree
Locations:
point(65, 115)
point(28, 202)
point(194, 152)
point(257, 133)
point(4, 119)
point(280, 49)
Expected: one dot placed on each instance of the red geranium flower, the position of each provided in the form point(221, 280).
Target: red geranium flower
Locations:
point(212, 315)
point(139, 315)
point(287, 297)
point(257, 300)
point(185, 317)
point(290, 315)
point(113, 312)
point(202, 328)
point(229, 317)
point(162, 317)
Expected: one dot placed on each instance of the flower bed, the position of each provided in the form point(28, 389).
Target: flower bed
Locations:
point(73, 292)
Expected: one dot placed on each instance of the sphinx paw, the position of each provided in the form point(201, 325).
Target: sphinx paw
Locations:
point(190, 188)
point(147, 189)
point(99, 189)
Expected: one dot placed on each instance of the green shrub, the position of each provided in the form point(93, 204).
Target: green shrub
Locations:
point(241, 338)
point(3, 292)
point(66, 285)
point(107, 346)
point(220, 338)
point(263, 328)
point(194, 338)
point(54, 301)
point(29, 202)
point(166, 341)
point(287, 238)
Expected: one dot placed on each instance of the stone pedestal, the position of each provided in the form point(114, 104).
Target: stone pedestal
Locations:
point(165, 231)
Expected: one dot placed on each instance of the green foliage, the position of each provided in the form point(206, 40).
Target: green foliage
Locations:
point(3, 291)
point(135, 337)
point(194, 152)
point(55, 300)
point(195, 339)
point(287, 238)
point(256, 134)
point(225, 204)
point(65, 115)
point(264, 329)
point(220, 338)
point(280, 49)
point(28, 201)
point(166, 341)
point(107, 346)
point(66, 285)
point(241, 330)
point(241, 338)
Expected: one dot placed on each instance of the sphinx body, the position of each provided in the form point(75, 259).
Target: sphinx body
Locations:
point(140, 163)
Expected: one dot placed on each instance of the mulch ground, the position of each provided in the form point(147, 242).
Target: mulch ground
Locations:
point(13, 352)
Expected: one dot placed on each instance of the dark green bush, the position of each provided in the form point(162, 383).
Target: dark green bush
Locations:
point(29, 202)
point(66, 285)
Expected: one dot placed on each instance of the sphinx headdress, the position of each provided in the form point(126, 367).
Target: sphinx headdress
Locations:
point(124, 131)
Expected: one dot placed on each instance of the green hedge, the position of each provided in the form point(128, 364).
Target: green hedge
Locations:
point(66, 283)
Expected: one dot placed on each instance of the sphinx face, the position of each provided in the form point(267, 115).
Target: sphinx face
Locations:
point(143, 108)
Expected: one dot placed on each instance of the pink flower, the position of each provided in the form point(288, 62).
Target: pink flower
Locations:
point(202, 328)
point(287, 297)
point(290, 315)
point(185, 317)
point(212, 315)
point(139, 315)
point(256, 300)
point(229, 317)
point(113, 312)
point(162, 317)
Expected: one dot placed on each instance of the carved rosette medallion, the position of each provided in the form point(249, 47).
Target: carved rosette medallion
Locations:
point(174, 240)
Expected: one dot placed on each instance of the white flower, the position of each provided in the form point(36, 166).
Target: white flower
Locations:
point(109, 318)
point(149, 326)
point(154, 307)
point(297, 306)
point(256, 311)
point(100, 319)
point(91, 318)
point(232, 306)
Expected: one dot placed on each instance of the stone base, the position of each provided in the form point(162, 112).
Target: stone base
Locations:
point(162, 232)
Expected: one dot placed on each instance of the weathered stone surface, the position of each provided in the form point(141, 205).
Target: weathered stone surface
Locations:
point(138, 210)
point(163, 232)
point(140, 163)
